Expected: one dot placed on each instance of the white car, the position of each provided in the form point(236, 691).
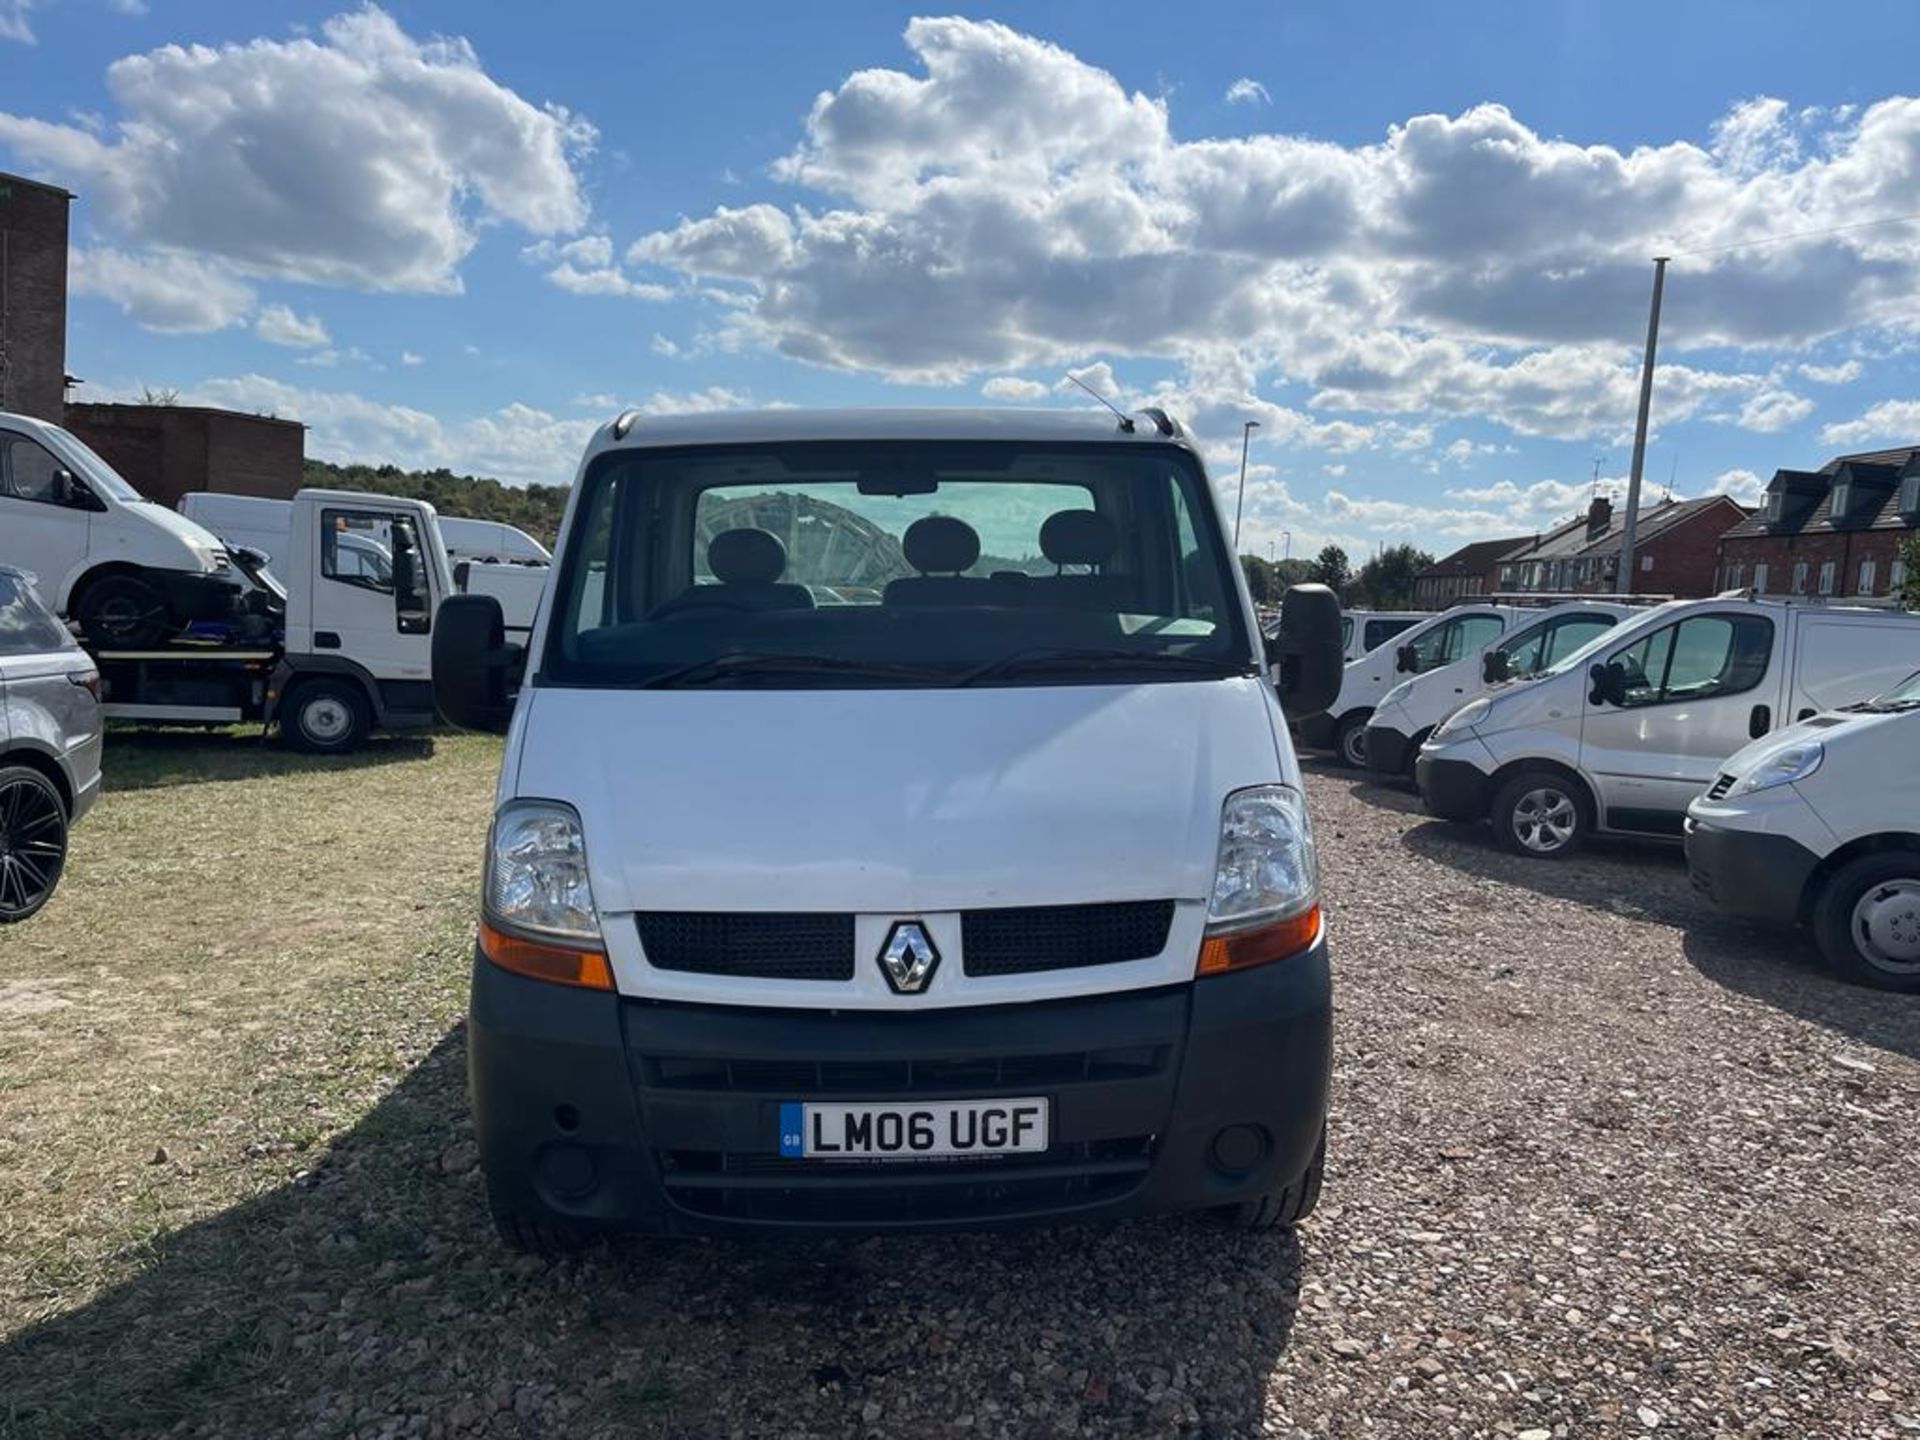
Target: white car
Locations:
point(998, 885)
point(1620, 736)
point(128, 572)
point(1407, 713)
point(1820, 825)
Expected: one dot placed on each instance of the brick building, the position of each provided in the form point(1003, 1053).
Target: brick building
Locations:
point(33, 297)
point(1676, 551)
point(166, 451)
point(1471, 570)
point(1832, 531)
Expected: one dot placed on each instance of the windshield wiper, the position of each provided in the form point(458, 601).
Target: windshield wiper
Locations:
point(765, 662)
point(1068, 657)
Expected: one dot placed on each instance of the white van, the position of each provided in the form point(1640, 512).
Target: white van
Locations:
point(1408, 713)
point(1820, 825)
point(988, 895)
point(491, 541)
point(1364, 630)
point(1619, 737)
point(127, 571)
point(1439, 639)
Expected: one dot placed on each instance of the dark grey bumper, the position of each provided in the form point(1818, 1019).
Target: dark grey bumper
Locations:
point(664, 1117)
point(1749, 873)
point(1452, 789)
point(1316, 731)
point(1389, 751)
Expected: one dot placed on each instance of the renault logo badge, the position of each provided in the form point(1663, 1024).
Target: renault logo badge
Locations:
point(908, 959)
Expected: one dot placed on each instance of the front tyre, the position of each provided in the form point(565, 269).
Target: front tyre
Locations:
point(1350, 740)
point(1541, 815)
point(1284, 1208)
point(325, 717)
point(1867, 921)
point(123, 611)
point(33, 841)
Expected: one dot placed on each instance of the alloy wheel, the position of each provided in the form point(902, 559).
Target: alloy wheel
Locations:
point(33, 845)
point(1545, 819)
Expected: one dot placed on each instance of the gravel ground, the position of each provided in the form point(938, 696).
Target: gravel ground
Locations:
point(1602, 1164)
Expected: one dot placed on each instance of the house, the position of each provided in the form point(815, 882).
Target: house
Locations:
point(1676, 551)
point(166, 451)
point(1832, 531)
point(1471, 570)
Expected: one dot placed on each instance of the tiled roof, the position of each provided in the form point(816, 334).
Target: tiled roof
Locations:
point(1474, 559)
point(1572, 541)
point(1880, 470)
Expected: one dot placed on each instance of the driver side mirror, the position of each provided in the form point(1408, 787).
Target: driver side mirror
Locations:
point(476, 673)
point(1307, 650)
point(70, 491)
point(1406, 658)
point(1495, 666)
point(1609, 684)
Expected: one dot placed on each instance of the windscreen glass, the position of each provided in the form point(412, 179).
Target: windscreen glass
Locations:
point(895, 563)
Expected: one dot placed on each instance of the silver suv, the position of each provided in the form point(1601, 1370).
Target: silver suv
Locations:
point(50, 736)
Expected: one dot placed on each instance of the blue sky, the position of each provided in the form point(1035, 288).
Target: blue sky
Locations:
point(1411, 241)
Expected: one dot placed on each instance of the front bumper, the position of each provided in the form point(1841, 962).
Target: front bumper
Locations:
point(193, 597)
point(1749, 873)
point(1452, 789)
point(1389, 751)
point(1316, 731)
point(664, 1117)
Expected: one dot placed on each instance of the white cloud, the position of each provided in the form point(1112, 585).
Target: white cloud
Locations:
point(358, 157)
point(586, 267)
point(16, 21)
point(1098, 378)
point(278, 325)
point(695, 402)
point(1741, 485)
point(409, 357)
point(1773, 409)
point(171, 293)
point(1002, 205)
point(661, 345)
point(1245, 91)
point(1844, 373)
point(1012, 387)
point(1895, 422)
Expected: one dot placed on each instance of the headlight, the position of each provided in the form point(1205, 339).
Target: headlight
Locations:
point(1266, 885)
point(1465, 718)
point(1396, 694)
point(1783, 767)
point(537, 872)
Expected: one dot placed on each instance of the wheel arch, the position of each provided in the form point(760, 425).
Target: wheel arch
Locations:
point(1882, 843)
point(1557, 768)
point(33, 759)
point(293, 672)
point(93, 575)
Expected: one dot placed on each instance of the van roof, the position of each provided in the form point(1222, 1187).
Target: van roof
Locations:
point(721, 427)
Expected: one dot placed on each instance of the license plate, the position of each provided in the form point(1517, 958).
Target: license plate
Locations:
point(930, 1130)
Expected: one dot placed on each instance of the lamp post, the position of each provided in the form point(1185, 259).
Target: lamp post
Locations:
point(1623, 579)
point(1246, 436)
point(1287, 537)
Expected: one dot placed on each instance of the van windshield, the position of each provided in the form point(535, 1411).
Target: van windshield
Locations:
point(890, 563)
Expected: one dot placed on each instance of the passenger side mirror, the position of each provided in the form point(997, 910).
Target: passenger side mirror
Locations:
point(1307, 650)
point(1495, 666)
point(1609, 684)
point(1406, 658)
point(69, 490)
point(476, 673)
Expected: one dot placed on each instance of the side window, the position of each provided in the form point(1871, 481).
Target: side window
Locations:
point(357, 549)
point(26, 626)
point(1570, 634)
point(1380, 631)
point(1472, 631)
point(32, 473)
point(1695, 659)
point(1198, 582)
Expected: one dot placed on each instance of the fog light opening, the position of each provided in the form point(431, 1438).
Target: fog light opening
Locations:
point(1238, 1149)
point(566, 1119)
point(567, 1171)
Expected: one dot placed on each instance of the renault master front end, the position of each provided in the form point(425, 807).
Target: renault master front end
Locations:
point(984, 893)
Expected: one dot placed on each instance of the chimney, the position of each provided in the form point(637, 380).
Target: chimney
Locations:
point(1599, 517)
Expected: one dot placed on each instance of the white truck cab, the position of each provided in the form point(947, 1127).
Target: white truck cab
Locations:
point(1438, 640)
point(985, 894)
point(125, 570)
point(1621, 735)
point(1366, 630)
point(1819, 825)
point(1407, 713)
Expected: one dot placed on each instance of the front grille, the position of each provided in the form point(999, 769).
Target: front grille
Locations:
point(1063, 937)
point(763, 946)
point(756, 1186)
point(876, 1079)
point(1720, 788)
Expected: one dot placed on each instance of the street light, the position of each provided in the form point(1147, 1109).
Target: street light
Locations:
point(1287, 536)
point(1246, 435)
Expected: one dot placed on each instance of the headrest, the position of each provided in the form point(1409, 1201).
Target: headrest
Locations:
point(1078, 537)
point(746, 557)
point(940, 545)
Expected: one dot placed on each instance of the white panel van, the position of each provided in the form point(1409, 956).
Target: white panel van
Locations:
point(984, 895)
point(1819, 825)
point(1619, 737)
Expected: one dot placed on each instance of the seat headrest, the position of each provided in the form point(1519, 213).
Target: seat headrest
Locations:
point(940, 545)
point(1078, 537)
point(746, 557)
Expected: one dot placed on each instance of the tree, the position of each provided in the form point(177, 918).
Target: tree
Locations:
point(1386, 581)
point(1260, 580)
point(1908, 593)
point(1332, 569)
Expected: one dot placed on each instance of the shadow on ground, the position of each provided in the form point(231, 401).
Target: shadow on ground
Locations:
point(371, 1289)
point(142, 759)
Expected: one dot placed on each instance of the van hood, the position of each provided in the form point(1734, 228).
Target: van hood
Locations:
point(204, 548)
point(898, 801)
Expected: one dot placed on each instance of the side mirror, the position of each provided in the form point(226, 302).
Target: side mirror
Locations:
point(476, 673)
point(1406, 658)
point(1308, 651)
point(461, 572)
point(1495, 666)
point(69, 490)
point(1609, 684)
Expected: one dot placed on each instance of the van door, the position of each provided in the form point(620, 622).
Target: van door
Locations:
point(1691, 693)
point(1838, 660)
point(1454, 638)
point(372, 593)
point(38, 532)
